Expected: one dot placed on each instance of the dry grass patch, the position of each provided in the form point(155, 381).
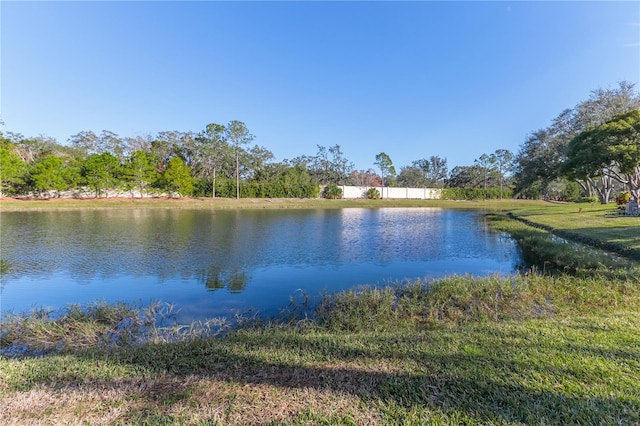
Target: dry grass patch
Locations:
point(172, 400)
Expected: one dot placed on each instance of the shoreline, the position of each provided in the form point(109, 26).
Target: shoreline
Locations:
point(9, 204)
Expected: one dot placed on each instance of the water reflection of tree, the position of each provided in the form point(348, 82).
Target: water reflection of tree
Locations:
point(216, 278)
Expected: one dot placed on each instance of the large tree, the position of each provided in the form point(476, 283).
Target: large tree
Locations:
point(329, 165)
point(412, 177)
point(86, 141)
point(341, 167)
point(177, 177)
point(541, 158)
point(384, 163)
point(611, 149)
point(111, 142)
point(536, 163)
point(257, 163)
point(101, 172)
point(137, 143)
point(486, 163)
point(164, 147)
point(186, 147)
point(471, 177)
point(434, 169)
point(31, 150)
point(214, 151)
point(12, 169)
point(296, 182)
point(502, 160)
point(367, 177)
point(89, 143)
point(238, 135)
point(47, 174)
point(139, 171)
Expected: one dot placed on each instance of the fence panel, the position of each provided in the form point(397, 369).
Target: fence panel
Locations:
point(352, 192)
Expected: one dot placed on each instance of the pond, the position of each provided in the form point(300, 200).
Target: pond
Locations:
point(212, 263)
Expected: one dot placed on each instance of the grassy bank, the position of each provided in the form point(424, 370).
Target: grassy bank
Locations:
point(595, 224)
point(556, 255)
point(530, 349)
point(10, 204)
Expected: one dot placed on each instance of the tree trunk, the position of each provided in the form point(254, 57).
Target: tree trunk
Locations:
point(237, 175)
point(603, 190)
point(633, 182)
point(213, 190)
point(607, 187)
point(586, 187)
point(484, 194)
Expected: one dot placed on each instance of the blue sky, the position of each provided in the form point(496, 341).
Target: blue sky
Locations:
point(412, 79)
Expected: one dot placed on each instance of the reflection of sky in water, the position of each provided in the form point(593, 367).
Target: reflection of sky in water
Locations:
point(210, 262)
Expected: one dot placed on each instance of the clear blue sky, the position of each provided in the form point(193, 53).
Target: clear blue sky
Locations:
point(412, 79)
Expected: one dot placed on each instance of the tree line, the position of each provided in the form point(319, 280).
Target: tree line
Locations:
point(590, 150)
point(219, 161)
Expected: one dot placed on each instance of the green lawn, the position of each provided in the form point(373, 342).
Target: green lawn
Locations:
point(596, 222)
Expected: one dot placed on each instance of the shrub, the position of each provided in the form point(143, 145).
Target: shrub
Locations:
point(492, 193)
point(623, 198)
point(373, 194)
point(332, 191)
point(279, 187)
point(591, 200)
point(571, 192)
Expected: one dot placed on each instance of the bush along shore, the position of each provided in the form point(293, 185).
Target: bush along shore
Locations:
point(556, 346)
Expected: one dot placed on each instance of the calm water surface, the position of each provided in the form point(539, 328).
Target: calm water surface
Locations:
point(218, 263)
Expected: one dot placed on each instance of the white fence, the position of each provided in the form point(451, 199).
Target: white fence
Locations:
point(391, 192)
